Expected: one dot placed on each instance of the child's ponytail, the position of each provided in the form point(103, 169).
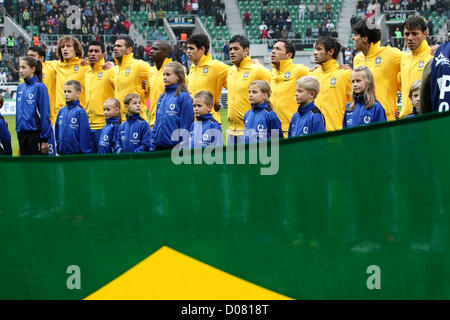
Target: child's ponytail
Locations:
point(36, 64)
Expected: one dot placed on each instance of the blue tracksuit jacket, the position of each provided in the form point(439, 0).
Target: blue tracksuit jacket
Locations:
point(5, 138)
point(33, 108)
point(308, 119)
point(172, 113)
point(73, 134)
point(107, 142)
point(361, 116)
point(134, 135)
point(259, 121)
point(205, 131)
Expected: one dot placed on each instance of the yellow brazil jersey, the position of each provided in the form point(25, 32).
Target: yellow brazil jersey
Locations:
point(334, 93)
point(128, 79)
point(282, 84)
point(210, 75)
point(238, 81)
point(411, 70)
point(49, 79)
point(384, 62)
point(156, 89)
point(99, 88)
point(65, 71)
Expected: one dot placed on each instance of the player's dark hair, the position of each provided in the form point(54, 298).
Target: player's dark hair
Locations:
point(373, 34)
point(242, 40)
point(96, 43)
point(39, 50)
point(330, 43)
point(75, 84)
point(129, 43)
point(289, 46)
point(200, 40)
point(415, 22)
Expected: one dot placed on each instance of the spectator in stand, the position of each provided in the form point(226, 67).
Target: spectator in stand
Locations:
point(320, 10)
point(151, 18)
point(301, 11)
point(308, 35)
point(285, 13)
point(263, 15)
point(315, 32)
point(323, 32)
point(224, 17)
point(247, 17)
point(289, 23)
point(312, 10)
point(328, 10)
point(264, 33)
point(160, 15)
point(226, 51)
point(147, 50)
point(271, 17)
point(334, 33)
point(195, 7)
point(284, 33)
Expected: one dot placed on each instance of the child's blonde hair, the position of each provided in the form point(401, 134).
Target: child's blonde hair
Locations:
point(264, 86)
point(116, 104)
point(179, 71)
point(309, 83)
point(414, 87)
point(130, 97)
point(369, 93)
point(206, 96)
point(75, 84)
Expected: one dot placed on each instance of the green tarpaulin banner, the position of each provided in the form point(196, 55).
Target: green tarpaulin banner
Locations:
point(356, 214)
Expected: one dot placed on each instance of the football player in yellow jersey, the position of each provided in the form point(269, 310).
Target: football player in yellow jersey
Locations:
point(384, 62)
point(99, 88)
point(205, 73)
point(335, 83)
point(159, 55)
point(131, 76)
point(69, 67)
point(283, 82)
point(413, 63)
point(240, 75)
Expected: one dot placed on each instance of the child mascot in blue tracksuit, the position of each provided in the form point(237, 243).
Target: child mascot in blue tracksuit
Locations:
point(5, 136)
point(206, 131)
point(73, 134)
point(108, 136)
point(364, 109)
point(32, 110)
point(134, 134)
point(308, 119)
point(174, 110)
point(260, 122)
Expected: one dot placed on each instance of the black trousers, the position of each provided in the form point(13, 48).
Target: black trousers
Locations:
point(29, 143)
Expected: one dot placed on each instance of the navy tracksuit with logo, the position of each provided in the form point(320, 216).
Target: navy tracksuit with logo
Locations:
point(32, 116)
point(134, 135)
point(108, 136)
point(259, 122)
point(206, 131)
point(361, 116)
point(73, 134)
point(173, 112)
point(308, 119)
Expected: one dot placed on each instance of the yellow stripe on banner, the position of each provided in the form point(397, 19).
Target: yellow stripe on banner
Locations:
point(170, 275)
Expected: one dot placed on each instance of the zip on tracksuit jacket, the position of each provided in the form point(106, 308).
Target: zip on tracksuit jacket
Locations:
point(134, 135)
point(172, 113)
point(259, 121)
point(308, 119)
point(108, 136)
point(73, 134)
point(206, 131)
point(361, 116)
point(5, 138)
point(33, 108)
